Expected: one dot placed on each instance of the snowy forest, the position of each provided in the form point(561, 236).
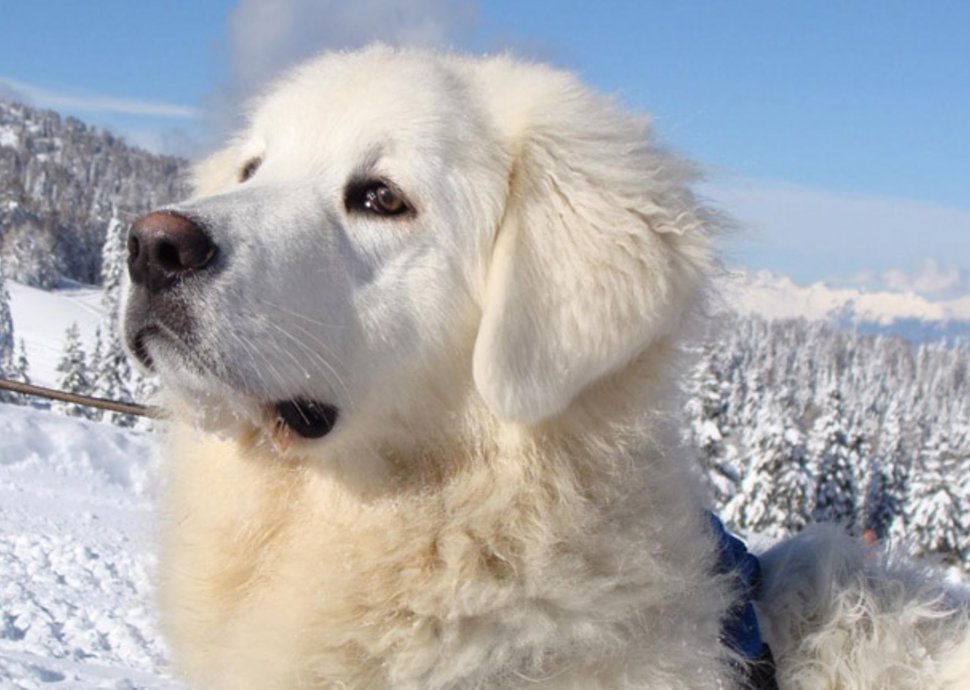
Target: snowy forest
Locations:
point(797, 422)
point(61, 182)
point(793, 421)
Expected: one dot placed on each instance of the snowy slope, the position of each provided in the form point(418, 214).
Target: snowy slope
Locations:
point(41, 317)
point(76, 555)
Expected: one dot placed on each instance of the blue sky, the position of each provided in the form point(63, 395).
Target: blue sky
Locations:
point(838, 133)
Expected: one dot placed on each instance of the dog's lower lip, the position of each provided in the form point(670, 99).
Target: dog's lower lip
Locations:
point(307, 418)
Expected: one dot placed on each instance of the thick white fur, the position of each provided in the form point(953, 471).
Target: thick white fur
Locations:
point(503, 502)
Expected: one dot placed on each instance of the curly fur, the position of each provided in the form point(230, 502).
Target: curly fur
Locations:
point(503, 502)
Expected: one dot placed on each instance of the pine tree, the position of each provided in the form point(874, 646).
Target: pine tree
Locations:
point(935, 506)
point(836, 491)
point(112, 371)
point(794, 420)
point(113, 263)
point(888, 484)
point(21, 367)
point(6, 338)
point(6, 326)
point(74, 375)
point(790, 502)
point(708, 409)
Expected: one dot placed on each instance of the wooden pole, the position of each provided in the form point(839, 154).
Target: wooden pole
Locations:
point(101, 403)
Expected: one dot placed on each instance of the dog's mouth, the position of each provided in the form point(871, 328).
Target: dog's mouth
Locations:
point(306, 418)
point(139, 346)
point(301, 417)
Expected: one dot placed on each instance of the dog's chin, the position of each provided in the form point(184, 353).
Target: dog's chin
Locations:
point(231, 410)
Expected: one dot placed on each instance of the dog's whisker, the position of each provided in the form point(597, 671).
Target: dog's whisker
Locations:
point(320, 360)
point(290, 312)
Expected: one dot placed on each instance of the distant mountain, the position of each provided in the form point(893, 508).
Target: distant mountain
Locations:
point(61, 182)
point(877, 312)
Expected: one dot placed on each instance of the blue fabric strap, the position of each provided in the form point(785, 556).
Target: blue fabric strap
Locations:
point(740, 630)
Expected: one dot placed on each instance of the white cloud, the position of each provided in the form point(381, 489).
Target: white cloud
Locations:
point(92, 103)
point(930, 278)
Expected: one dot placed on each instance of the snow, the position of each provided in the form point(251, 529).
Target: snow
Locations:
point(40, 318)
point(8, 137)
point(77, 526)
point(76, 553)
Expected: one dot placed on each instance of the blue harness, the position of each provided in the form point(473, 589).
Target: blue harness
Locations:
point(739, 630)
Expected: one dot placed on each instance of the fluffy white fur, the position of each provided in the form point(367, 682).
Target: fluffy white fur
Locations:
point(503, 502)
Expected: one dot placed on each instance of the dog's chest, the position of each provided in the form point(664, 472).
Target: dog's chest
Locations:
point(277, 578)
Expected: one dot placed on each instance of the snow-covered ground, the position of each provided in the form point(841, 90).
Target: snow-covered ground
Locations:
point(77, 530)
point(76, 555)
point(41, 317)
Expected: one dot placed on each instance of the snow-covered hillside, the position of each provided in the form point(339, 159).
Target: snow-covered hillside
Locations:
point(61, 182)
point(41, 317)
point(76, 555)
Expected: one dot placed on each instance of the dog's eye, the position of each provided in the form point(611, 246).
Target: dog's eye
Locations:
point(376, 197)
point(383, 200)
point(248, 170)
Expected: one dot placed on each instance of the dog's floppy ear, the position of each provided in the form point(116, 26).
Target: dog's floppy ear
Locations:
point(601, 251)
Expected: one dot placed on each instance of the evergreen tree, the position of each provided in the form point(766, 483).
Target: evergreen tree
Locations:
point(20, 372)
point(708, 411)
point(795, 421)
point(888, 484)
point(836, 492)
point(112, 371)
point(935, 507)
point(790, 501)
point(21, 367)
point(6, 326)
point(74, 375)
point(6, 338)
point(113, 265)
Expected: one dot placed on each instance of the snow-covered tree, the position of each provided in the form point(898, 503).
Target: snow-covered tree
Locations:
point(112, 371)
point(6, 337)
point(20, 372)
point(837, 461)
point(709, 419)
point(113, 265)
point(74, 376)
point(21, 365)
point(936, 508)
point(810, 421)
point(6, 326)
point(888, 480)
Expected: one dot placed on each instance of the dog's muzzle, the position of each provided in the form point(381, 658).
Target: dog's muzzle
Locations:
point(165, 250)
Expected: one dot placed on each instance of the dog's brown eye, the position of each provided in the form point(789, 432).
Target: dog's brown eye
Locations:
point(248, 170)
point(382, 200)
point(378, 198)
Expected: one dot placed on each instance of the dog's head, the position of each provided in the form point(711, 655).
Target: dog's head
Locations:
point(391, 221)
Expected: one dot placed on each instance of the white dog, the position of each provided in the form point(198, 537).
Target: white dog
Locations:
point(421, 324)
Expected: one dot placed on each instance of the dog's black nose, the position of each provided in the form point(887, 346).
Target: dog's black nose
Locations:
point(164, 246)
